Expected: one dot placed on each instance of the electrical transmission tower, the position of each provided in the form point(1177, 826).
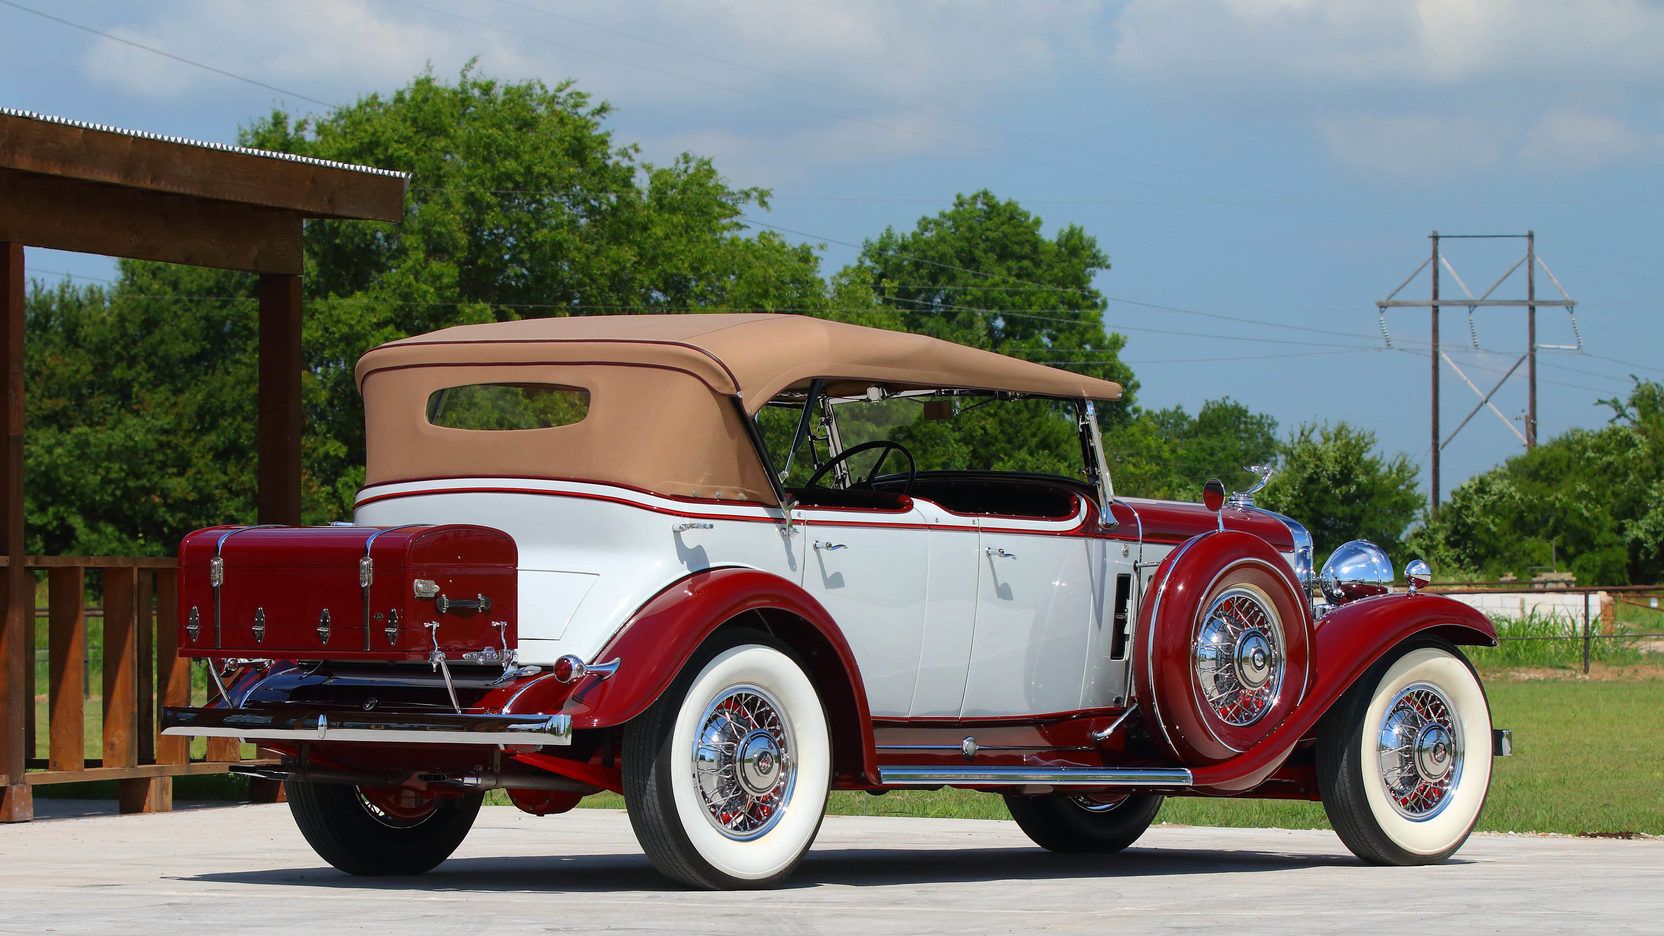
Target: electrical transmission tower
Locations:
point(1437, 263)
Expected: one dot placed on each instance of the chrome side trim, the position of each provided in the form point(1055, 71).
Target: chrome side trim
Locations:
point(367, 576)
point(279, 723)
point(1304, 554)
point(1036, 776)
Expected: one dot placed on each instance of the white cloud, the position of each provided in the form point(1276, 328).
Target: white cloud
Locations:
point(1411, 88)
point(1575, 139)
point(772, 158)
point(1370, 42)
point(1409, 144)
point(331, 51)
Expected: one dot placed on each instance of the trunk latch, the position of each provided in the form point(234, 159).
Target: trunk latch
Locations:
point(259, 625)
point(323, 626)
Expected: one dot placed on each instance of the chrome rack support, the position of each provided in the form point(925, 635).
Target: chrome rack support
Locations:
point(437, 661)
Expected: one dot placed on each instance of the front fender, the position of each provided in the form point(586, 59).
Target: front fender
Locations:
point(1348, 641)
point(658, 640)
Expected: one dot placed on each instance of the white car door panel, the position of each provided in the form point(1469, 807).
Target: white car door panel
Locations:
point(872, 580)
point(1036, 613)
point(950, 617)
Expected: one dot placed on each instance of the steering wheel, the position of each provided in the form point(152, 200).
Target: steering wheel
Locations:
point(848, 453)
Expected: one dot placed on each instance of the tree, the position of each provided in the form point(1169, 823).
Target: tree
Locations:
point(1587, 500)
point(982, 273)
point(1330, 478)
point(1168, 453)
point(521, 204)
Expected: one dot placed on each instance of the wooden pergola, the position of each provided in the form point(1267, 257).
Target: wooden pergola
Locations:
point(95, 189)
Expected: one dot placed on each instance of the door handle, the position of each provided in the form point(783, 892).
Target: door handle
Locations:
point(829, 547)
point(994, 553)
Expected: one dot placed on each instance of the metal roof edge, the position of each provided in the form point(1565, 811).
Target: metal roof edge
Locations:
point(204, 144)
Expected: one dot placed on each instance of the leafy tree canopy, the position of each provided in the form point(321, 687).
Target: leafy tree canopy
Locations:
point(1331, 479)
point(1589, 501)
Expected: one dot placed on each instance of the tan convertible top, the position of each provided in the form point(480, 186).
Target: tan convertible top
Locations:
point(661, 415)
point(753, 355)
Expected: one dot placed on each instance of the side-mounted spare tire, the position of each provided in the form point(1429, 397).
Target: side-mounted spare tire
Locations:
point(1224, 644)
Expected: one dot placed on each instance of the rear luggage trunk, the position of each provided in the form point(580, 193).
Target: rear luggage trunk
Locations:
point(348, 593)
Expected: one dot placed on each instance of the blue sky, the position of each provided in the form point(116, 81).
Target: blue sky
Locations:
point(1276, 161)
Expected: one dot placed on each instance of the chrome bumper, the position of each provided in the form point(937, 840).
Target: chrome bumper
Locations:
point(297, 723)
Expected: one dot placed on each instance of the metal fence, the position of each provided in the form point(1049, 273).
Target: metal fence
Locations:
point(1596, 619)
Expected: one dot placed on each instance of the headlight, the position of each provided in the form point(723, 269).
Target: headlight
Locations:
point(1358, 569)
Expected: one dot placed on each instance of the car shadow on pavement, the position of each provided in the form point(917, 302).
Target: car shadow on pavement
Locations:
point(849, 867)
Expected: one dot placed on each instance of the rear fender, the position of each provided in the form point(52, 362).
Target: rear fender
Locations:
point(657, 642)
point(1348, 641)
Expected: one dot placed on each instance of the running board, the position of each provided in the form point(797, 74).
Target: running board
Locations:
point(1030, 776)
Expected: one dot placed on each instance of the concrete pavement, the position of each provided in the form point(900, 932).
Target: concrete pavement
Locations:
point(246, 868)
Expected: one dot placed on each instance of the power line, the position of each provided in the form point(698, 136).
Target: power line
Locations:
point(168, 55)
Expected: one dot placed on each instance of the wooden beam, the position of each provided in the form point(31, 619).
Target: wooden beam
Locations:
point(90, 217)
point(95, 562)
point(310, 188)
point(17, 593)
point(93, 774)
point(278, 499)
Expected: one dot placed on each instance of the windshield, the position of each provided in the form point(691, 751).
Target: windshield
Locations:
point(943, 431)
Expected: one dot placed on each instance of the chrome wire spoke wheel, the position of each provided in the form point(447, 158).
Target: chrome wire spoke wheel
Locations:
point(1420, 751)
point(743, 762)
point(1404, 758)
point(1238, 656)
point(726, 775)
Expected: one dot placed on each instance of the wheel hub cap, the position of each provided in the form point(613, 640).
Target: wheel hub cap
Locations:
point(742, 762)
point(1238, 657)
point(759, 763)
point(1253, 660)
point(1420, 748)
point(1433, 752)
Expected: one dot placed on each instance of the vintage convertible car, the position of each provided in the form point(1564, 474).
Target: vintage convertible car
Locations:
point(725, 564)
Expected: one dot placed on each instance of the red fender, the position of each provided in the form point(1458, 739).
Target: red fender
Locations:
point(1184, 586)
point(1348, 641)
point(660, 638)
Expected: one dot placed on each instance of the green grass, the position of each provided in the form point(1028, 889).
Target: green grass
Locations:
point(1587, 759)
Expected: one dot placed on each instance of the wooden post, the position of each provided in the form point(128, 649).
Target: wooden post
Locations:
point(16, 802)
point(145, 642)
point(121, 670)
point(67, 668)
point(280, 416)
point(280, 428)
point(173, 672)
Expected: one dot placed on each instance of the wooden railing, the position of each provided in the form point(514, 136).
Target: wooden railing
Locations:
point(137, 672)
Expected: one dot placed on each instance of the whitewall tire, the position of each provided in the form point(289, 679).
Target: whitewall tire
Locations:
point(726, 776)
point(1404, 759)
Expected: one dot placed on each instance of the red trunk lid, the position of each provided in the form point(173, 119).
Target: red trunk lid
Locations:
point(347, 592)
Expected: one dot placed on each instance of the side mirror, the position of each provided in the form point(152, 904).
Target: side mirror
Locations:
point(1213, 495)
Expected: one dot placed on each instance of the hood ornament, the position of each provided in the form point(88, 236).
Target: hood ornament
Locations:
point(1246, 498)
